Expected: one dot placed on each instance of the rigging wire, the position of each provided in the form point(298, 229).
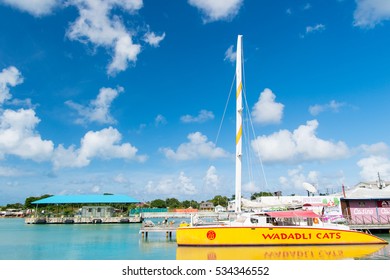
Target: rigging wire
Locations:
point(251, 125)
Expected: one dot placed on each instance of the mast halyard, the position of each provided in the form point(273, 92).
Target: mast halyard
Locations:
point(238, 124)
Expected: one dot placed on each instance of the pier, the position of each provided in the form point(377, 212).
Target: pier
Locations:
point(168, 229)
point(82, 220)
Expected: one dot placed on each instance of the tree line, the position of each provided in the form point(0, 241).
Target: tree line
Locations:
point(170, 203)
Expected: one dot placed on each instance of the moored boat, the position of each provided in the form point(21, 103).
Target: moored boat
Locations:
point(273, 228)
point(268, 228)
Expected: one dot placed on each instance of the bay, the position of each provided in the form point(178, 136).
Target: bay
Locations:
point(20, 241)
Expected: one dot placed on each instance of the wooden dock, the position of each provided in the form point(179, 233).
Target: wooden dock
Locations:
point(168, 229)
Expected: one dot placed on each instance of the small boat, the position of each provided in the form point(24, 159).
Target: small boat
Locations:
point(269, 228)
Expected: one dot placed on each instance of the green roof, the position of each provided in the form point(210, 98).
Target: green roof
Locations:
point(96, 198)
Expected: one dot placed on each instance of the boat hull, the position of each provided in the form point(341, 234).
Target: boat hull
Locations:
point(262, 236)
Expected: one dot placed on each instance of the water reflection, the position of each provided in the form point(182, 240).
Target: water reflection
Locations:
point(277, 252)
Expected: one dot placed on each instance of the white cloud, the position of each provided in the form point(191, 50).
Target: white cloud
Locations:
point(121, 179)
point(98, 109)
point(196, 148)
point(230, 54)
point(9, 77)
point(300, 145)
point(376, 160)
point(9, 172)
point(316, 28)
point(35, 7)
point(370, 166)
point(377, 149)
point(152, 39)
point(186, 185)
point(96, 25)
point(211, 178)
point(18, 136)
point(332, 106)
point(181, 185)
point(203, 116)
point(266, 110)
point(160, 120)
point(369, 13)
point(103, 144)
point(214, 10)
point(296, 177)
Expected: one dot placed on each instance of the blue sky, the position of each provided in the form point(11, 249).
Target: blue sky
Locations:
point(127, 97)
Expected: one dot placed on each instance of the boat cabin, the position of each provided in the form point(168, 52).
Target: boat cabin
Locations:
point(279, 218)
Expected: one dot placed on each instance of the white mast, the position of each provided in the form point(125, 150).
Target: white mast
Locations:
point(238, 123)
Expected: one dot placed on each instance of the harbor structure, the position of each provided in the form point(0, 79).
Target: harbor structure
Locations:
point(367, 205)
point(92, 209)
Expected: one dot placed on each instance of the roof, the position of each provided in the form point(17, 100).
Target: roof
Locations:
point(367, 192)
point(292, 214)
point(97, 198)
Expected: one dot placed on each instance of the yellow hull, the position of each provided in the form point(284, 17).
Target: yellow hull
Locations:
point(254, 236)
point(325, 252)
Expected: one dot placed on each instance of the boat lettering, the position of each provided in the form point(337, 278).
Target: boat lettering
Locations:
point(328, 235)
point(302, 236)
point(284, 236)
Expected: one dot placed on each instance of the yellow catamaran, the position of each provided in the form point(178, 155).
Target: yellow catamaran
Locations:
point(268, 228)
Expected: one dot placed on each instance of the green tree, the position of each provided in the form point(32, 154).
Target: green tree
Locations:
point(28, 202)
point(158, 203)
point(220, 200)
point(259, 194)
point(173, 203)
point(187, 203)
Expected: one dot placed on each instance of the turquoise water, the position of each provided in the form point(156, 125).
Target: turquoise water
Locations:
point(20, 241)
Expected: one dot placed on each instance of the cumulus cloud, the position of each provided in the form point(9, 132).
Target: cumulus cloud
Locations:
point(369, 13)
point(300, 145)
point(370, 166)
point(152, 39)
point(96, 25)
point(211, 178)
point(379, 148)
point(202, 117)
point(35, 7)
point(103, 144)
point(230, 54)
point(9, 77)
point(376, 160)
point(99, 109)
point(332, 106)
point(180, 185)
point(296, 177)
point(18, 136)
point(214, 10)
point(196, 148)
point(266, 110)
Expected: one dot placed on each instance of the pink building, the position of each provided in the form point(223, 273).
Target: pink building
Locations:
point(367, 203)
